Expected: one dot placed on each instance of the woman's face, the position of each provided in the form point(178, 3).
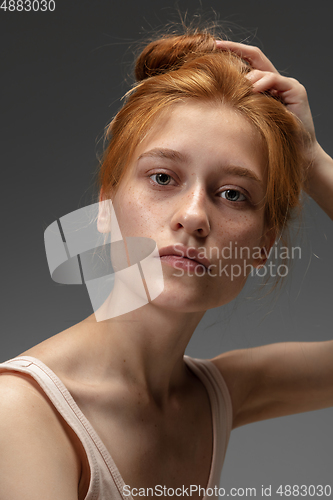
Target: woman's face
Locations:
point(196, 185)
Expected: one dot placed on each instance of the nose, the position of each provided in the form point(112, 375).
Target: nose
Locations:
point(191, 214)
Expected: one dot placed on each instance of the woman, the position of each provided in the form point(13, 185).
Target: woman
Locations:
point(211, 148)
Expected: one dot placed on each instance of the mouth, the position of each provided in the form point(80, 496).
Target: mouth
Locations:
point(182, 257)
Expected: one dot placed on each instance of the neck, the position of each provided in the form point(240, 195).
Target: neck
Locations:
point(145, 347)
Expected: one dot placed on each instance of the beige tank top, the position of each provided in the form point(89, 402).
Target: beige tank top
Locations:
point(106, 482)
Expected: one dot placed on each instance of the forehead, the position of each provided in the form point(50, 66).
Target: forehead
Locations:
point(205, 133)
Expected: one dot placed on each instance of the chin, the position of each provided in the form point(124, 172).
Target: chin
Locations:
point(190, 299)
point(185, 300)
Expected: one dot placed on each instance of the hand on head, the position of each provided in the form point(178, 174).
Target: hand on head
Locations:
point(265, 78)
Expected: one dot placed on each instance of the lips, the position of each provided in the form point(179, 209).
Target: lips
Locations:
point(191, 253)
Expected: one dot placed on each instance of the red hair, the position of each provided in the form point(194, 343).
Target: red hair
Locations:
point(190, 66)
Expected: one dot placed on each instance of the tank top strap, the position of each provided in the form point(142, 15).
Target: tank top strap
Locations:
point(221, 408)
point(102, 484)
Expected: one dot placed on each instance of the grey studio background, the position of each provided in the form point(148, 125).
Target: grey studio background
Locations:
point(62, 75)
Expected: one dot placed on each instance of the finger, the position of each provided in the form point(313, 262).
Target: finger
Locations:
point(253, 55)
point(291, 91)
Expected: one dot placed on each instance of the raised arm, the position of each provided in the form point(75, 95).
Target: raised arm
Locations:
point(291, 377)
point(278, 379)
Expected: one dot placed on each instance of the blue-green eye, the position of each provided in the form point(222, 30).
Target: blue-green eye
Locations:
point(233, 195)
point(162, 179)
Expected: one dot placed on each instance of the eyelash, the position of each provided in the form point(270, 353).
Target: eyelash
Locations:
point(225, 191)
point(160, 173)
point(236, 191)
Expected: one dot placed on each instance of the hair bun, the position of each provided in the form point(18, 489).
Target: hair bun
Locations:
point(169, 53)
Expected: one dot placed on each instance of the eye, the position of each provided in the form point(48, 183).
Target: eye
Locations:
point(161, 178)
point(233, 195)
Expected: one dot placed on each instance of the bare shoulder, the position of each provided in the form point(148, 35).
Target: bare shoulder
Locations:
point(34, 444)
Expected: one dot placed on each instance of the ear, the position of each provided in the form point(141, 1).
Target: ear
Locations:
point(104, 213)
point(107, 220)
point(266, 244)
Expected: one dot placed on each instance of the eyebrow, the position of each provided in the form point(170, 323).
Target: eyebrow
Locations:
point(242, 172)
point(165, 153)
point(171, 154)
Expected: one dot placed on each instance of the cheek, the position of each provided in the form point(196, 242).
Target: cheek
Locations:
point(246, 229)
point(136, 216)
point(239, 247)
point(239, 243)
